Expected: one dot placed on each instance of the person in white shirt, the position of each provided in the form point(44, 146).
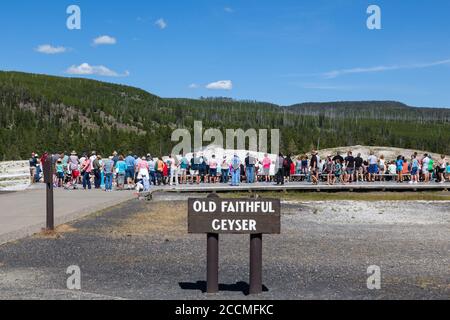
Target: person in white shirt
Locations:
point(373, 166)
point(172, 163)
point(425, 164)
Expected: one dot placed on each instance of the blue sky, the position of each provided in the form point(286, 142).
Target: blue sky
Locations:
point(284, 51)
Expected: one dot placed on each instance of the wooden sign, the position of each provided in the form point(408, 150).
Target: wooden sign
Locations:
point(234, 216)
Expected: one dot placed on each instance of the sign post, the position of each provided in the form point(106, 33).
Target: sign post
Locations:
point(215, 216)
point(255, 263)
point(48, 180)
point(212, 263)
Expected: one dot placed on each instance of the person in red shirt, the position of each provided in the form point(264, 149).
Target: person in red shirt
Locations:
point(165, 173)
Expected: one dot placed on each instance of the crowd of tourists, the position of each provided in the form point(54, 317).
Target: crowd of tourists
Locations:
point(88, 171)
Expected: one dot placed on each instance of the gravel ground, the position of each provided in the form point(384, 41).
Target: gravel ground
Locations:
point(141, 250)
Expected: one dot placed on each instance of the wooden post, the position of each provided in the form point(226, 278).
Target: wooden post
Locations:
point(255, 263)
point(48, 179)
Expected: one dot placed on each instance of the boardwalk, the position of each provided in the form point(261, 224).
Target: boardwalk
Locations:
point(23, 213)
point(301, 186)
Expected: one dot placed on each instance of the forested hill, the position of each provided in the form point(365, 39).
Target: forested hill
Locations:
point(385, 110)
point(41, 112)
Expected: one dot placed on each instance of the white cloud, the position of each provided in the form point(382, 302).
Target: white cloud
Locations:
point(86, 69)
point(228, 9)
point(161, 23)
point(49, 49)
point(104, 40)
point(336, 73)
point(194, 86)
point(220, 85)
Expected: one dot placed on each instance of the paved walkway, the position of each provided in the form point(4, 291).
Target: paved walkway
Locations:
point(24, 213)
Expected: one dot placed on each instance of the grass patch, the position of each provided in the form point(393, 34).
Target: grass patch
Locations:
point(355, 196)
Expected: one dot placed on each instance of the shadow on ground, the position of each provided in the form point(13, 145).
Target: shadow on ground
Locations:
point(240, 286)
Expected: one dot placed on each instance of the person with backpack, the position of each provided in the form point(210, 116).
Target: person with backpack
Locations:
point(235, 170)
point(195, 164)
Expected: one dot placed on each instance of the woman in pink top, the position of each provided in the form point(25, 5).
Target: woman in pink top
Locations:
point(86, 172)
point(266, 167)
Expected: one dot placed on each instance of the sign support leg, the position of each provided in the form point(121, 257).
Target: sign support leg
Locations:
point(212, 263)
point(255, 263)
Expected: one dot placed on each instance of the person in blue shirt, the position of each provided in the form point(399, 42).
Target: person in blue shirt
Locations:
point(235, 171)
point(130, 161)
point(399, 164)
point(121, 168)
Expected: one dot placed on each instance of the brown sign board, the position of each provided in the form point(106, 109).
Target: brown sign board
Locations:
point(234, 216)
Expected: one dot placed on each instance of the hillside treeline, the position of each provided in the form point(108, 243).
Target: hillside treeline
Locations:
point(41, 112)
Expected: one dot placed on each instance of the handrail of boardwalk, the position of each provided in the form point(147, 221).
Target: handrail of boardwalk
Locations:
point(261, 187)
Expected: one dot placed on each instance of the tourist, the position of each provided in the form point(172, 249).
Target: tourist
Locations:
point(59, 173)
point(305, 165)
point(202, 169)
point(338, 169)
point(165, 173)
point(151, 169)
point(194, 171)
point(225, 170)
point(430, 168)
point(373, 167)
point(108, 172)
point(359, 169)
point(330, 168)
point(250, 162)
point(96, 170)
point(279, 169)
point(381, 167)
point(406, 171)
point(349, 167)
point(266, 163)
point(86, 169)
point(414, 170)
point(172, 166)
point(213, 169)
point(441, 166)
point(314, 166)
point(33, 164)
point(130, 161)
point(184, 166)
point(121, 169)
point(425, 165)
point(235, 170)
